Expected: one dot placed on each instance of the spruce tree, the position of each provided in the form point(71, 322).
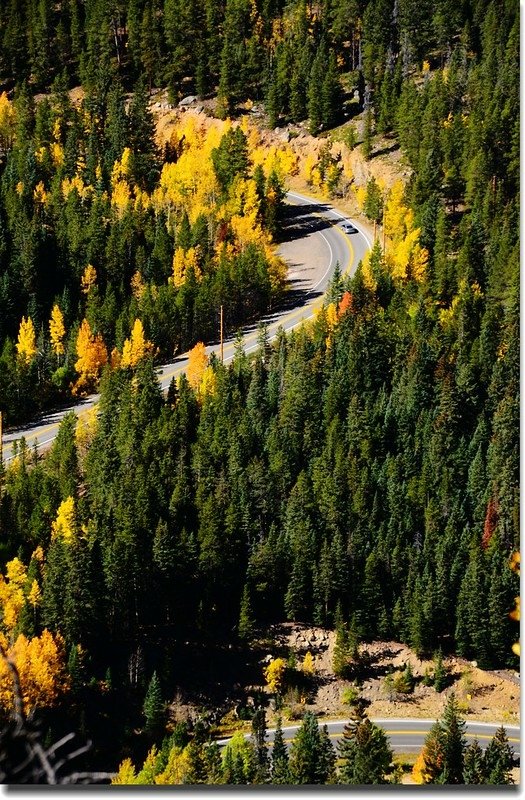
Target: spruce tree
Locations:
point(365, 754)
point(453, 743)
point(499, 759)
point(259, 740)
point(246, 625)
point(473, 764)
point(280, 773)
point(153, 707)
point(309, 759)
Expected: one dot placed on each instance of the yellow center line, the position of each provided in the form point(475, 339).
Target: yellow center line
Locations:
point(418, 733)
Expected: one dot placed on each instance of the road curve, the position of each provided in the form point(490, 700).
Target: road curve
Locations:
point(408, 735)
point(315, 243)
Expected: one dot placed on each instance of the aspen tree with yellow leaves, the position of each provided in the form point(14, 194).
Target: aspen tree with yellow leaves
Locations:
point(57, 331)
point(65, 524)
point(274, 674)
point(88, 279)
point(197, 363)
point(26, 344)
point(40, 663)
point(136, 347)
point(7, 122)
point(183, 260)
point(92, 357)
point(12, 594)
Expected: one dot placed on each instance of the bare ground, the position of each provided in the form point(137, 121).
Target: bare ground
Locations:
point(483, 695)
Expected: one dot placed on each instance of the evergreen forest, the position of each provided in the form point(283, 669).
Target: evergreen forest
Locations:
point(360, 473)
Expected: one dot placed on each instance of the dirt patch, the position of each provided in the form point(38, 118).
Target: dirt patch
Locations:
point(483, 695)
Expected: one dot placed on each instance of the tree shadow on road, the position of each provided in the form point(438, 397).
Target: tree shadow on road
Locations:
point(299, 221)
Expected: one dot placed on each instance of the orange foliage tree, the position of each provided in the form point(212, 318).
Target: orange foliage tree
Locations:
point(92, 356)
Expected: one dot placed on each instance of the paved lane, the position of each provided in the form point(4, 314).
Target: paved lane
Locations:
point(408, 735)
point(316, 242)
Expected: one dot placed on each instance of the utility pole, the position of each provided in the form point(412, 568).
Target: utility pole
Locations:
point(222, 335)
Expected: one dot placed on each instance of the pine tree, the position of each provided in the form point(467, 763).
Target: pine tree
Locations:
point(453, 743)
point(280, 773)
point(153, 707)
point(310, 762)
point(259, 740)
point(473, 765)
point(498, 759)
point(366, 757)
point(246, 625)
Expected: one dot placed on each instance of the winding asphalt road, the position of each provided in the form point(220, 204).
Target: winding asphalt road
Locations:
point(314, 244)
point(408, 735)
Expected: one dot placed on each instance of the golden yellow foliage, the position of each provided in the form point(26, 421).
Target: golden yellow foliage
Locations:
point(40, 663)
point(86, 428)
point(407, 258)
point(208, 384)
point(182, 261)
point(75, 184)
point(7, 122)
point(40, 194)
point(177, 768)
point(26, 344)
point(121, 167)
point(136, 347)
point(65, 524)
point(57, 330)
point(57, 154)
point(366, 271)
point(331, 314)
point(92, 356)
point(126, 774)
point(308, 664)
point(197, 363)
point(274, 674)
point(12, 597)
point(121, 196)
point(419, 768)
point(34, 596)
point(397, 217)
point(360, 196)
point(308, 170)
point(277, 269)
point(191, 182)
point(88, 279)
